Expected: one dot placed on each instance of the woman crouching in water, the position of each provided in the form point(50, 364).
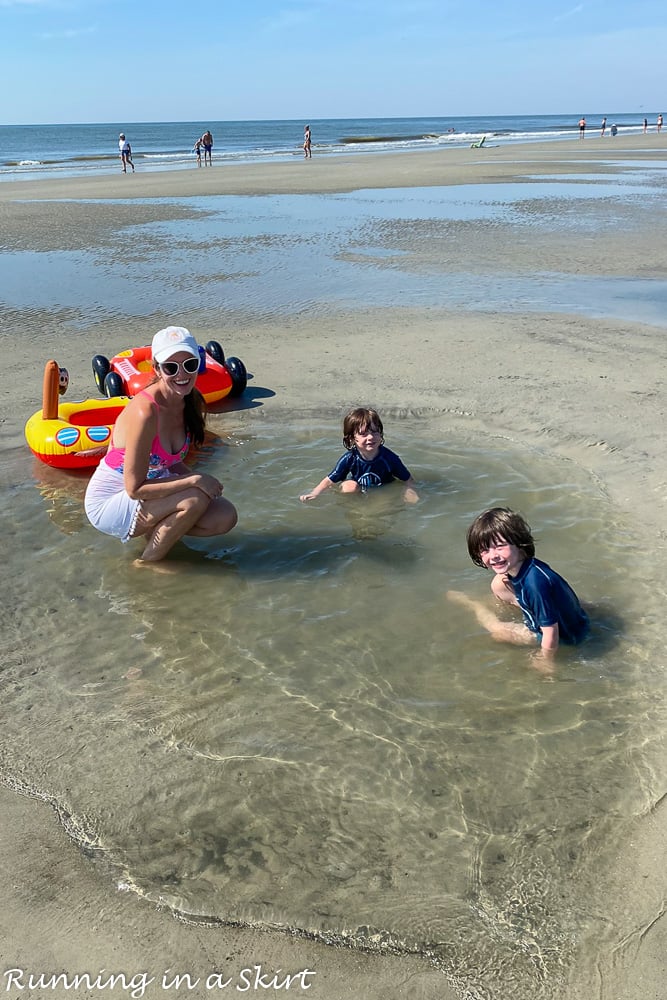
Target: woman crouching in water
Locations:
point(142, 487)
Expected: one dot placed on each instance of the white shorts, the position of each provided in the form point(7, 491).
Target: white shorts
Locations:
point(108, 506)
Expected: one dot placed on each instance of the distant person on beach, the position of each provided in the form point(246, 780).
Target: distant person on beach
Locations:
point(603, 128)
point(307, 138)
point(142, 487)
point(645, 125)
point(614, 129)
point(659, 123)
point(207, 142)
point(366, 462)
point(197, 148)
point(500, 540)
point(125, 152)
point(582, 128)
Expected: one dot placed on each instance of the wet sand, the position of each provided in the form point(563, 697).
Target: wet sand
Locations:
point(491, 164)
point(586, 389)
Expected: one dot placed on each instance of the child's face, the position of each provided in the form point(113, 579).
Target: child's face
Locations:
point(502, 557)
point(367, 441)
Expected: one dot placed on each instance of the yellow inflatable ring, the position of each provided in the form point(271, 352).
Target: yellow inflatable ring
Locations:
point(71, 435)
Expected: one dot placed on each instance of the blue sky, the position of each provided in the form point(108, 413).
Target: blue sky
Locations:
point(143, 60)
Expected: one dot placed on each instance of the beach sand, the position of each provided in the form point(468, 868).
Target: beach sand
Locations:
point(584, 388)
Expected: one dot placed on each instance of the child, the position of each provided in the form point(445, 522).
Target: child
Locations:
point(366, 463)
point(500, 540)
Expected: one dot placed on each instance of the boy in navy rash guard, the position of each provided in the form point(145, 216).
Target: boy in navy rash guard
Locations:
point(501, 540)
point(366, 463)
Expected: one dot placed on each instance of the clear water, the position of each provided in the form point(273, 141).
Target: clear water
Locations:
point(295, 728)
point(286, 254)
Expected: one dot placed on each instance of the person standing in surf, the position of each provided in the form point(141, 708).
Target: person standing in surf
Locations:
point(207, 140)
point(125, 153)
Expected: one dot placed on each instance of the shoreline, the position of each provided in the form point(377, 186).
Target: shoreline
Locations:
point(485, 373)
point(333, 173)
point(62, 914)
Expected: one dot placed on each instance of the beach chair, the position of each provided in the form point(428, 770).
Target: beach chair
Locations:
point(479, 143)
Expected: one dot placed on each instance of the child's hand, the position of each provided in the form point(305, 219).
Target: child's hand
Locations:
point(320, 488)
point(410, 495)
point(543, 664)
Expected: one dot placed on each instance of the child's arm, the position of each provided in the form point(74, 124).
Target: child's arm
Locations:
point(400, 472)
point(544, 657)
point(320, 488)
point(410, 494)
point(549, 643)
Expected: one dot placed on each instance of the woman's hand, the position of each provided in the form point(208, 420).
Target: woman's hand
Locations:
point(209, 485)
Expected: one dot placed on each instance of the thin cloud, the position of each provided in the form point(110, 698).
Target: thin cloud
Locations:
point(48, 36)
point(288, 18)
point(569, 13)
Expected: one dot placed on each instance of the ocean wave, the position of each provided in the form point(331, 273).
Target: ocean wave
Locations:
point(40, 151)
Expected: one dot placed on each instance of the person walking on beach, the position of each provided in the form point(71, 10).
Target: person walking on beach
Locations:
point(197, 148)
point(307, 142)
point(645, 125)
point(582, 128)
point(659, 123)
point(603, 128)
point(142, 487)
point(207, 142)
point(366, 462)
point(500, 540)
point(125, 152)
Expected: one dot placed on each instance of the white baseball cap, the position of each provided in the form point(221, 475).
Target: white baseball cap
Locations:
point(170, 341)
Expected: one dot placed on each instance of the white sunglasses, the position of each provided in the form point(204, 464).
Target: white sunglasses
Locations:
point(189, 366)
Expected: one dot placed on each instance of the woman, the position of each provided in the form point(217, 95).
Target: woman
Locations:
point(142, 488)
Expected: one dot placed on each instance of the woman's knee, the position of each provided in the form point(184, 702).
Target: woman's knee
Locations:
point(219, 517)
point(224, 515)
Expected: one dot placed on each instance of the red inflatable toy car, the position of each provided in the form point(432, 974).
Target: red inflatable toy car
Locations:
point(131, 371)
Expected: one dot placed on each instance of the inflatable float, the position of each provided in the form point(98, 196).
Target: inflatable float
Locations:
point(70, 435)
point(132, 370)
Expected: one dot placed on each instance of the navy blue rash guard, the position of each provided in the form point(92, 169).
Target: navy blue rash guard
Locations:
point(545, 598)
point(384, 468)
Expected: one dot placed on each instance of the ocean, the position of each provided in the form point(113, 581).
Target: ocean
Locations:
point(38, 151)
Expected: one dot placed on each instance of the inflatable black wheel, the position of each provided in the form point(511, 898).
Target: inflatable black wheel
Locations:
point(215, 350)
point(239, 375)
point(101, 368)
point(113, 385)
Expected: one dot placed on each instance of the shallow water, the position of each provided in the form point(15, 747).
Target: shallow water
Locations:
point(297, 729)
point(281, 255)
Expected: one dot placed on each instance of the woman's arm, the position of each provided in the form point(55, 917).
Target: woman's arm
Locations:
point(140, 431)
